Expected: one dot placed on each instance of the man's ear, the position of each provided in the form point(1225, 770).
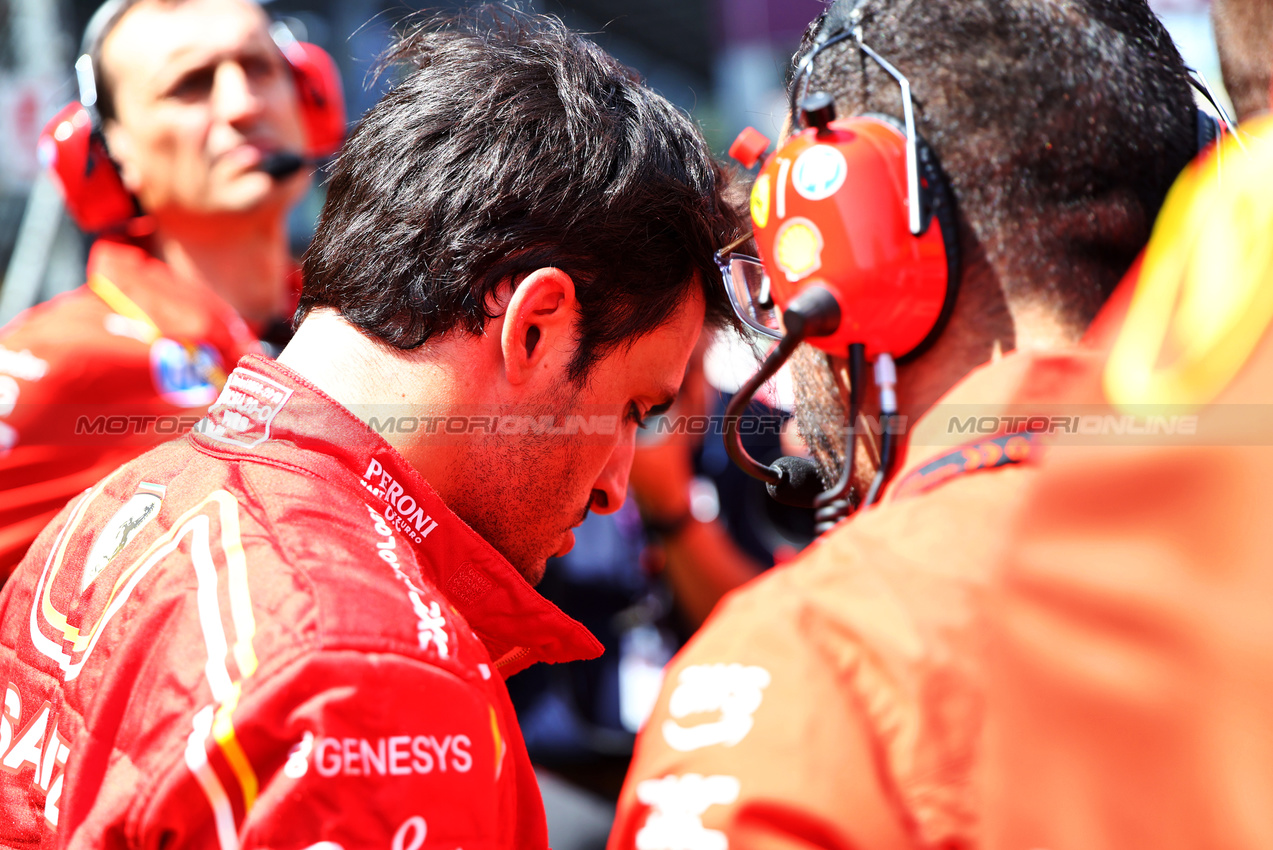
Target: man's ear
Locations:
point(539, 323)
point(120, 145)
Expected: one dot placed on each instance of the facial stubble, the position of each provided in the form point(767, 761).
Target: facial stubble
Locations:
point(524, 481)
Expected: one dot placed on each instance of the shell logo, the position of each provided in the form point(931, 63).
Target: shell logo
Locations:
point(798, 248)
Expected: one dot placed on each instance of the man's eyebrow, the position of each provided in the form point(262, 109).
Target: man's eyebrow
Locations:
point(198, 54)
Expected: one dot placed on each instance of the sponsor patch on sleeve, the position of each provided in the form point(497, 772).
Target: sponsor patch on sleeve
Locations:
point(121, 528)
point(819, 172)
point(1004, 450)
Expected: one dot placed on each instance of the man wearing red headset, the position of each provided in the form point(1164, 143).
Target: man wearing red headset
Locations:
point(837, 701)
point(185, 154)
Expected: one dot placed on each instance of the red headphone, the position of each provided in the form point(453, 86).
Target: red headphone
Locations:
point(831, 208)
point(848, 205)
point(73, 150)
point(843, 217)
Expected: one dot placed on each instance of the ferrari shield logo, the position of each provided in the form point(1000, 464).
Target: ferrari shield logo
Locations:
point(120, 529)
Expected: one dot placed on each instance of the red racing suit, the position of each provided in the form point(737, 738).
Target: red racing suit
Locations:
point(95, 377)
point(270, 633)
point(836, 701)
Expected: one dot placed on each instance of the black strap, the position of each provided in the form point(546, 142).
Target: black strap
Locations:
point(1208, 128)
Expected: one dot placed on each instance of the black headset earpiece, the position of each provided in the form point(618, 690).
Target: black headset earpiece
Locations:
point(1208, 127)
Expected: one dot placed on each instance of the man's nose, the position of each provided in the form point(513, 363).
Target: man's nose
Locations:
point(611, 487)
point(234, 98)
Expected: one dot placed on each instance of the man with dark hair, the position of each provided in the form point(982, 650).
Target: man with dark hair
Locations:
point(192, 97)
point(1244, 37)
point(290, 630)
point(506, 206)
point(836, 701)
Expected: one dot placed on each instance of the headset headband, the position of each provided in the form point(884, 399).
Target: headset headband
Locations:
point(98, 27)
point(916, 221)
point(1199, 82)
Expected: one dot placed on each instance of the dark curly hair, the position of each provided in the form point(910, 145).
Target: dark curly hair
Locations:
point(1060, 125)
point(513, 144)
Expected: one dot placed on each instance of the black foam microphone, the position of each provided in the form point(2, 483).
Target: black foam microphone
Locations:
point(791, 480)
point(280, 164)
point(798, 481)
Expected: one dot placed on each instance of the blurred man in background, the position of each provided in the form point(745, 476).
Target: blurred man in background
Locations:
point(196, 105)
point(837, 701)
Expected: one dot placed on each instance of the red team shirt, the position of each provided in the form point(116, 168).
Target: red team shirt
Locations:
point(271, 633)
point(93, 378)
point(837, 700)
